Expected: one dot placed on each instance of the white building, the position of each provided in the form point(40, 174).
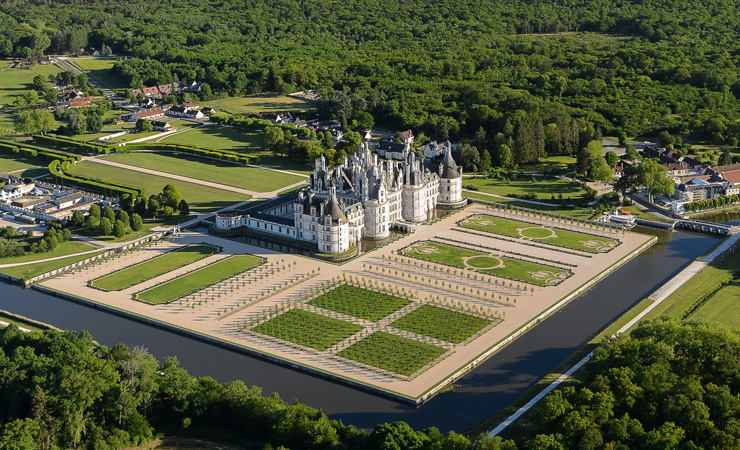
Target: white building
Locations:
point(364, 197)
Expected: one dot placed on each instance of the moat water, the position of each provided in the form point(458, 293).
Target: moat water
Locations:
point(480, 394)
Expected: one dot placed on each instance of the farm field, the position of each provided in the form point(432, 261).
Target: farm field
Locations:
point(153, 267)
point(250, 178)
point(102, 70)
point(308, 329)
point(490, 264)
point(441, 323)
point(16, 82)
point(544, 188)
point(261, 103)
point(31, 270)
point(199, 279)
point(359, 302)
point(722, 307)
point(11, 163)
point(393, 353)
point(201, 198)
point(532, 232)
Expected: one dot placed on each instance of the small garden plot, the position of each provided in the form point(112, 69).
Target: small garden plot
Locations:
point(393, 353)
point(308, 329)
point(155, 267)
point(359, 302)
point(199, 279)
point(441, 323)
point(546, 234)
point(491, 264)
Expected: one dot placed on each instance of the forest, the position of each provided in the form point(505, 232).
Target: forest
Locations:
point(669, 385)
point(446, 68)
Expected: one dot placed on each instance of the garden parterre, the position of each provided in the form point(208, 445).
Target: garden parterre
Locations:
point(547, 234)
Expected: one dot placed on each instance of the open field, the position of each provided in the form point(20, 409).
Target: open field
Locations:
point(261, 103)
point(201, 278)
point(359, 302)
point(218, 137)
point(200, 198)
point(722, 307)
point(565, 211)
point(250, 178)
point(491, 264)
point(11, 163)
point(32, 270)
point(153, 267)
point(545, 189)
point(102, 70)
point(16, 82)
point(549, 163)
point(441, 323)
point(393, 353)
point(308, 329)
point(533, 232)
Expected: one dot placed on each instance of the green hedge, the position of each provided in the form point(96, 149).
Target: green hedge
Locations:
point(32, 151)
point(93, 184)
point(226, 155)
point(72, 144)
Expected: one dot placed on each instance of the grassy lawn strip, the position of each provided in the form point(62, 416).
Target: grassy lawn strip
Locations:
point(32, 270)
point(11, 163)
point(200, 198)
point(155, 267)
point(262, 103)
point(253, 179)
point(21, 322)
point(393, 353)
point(562, 210)
point(218, 137)
point(199, 279)
point(544, 188)
point(64, 249)
point(721, 307)
point(441, 323)
point(308, 329)
point(16, 82)
point(359, 302)
point(563, 238)
point(495, 265)
point(102, 69)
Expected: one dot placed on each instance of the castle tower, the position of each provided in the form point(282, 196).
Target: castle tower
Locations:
point(450, 182)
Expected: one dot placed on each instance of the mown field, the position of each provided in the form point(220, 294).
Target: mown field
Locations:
point(16, 82)
point(35, 269)
point(544, 188)
point(153, 267)
point(102, 70)
point(261, 103)
point(722, 307)
point(64, 249)
point(199, 279)
point(259, 180)
point(218, 137)
point(10, 163)
point(201, 198)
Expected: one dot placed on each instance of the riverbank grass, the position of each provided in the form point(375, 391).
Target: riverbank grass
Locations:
point(545, 234)
point(393, 353)
point(308, 329)
point(722, 307)
point(440, 323)
point(199, 279)
point(490, 264)
point(359, 302)
point(153, 268)
point(35, 269)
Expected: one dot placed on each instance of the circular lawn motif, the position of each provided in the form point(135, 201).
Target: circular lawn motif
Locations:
point(536, 233)
point(483, 262)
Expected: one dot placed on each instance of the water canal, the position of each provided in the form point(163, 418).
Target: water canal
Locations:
point(480, 395)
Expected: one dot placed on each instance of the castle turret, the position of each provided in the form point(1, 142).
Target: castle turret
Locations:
point(450, 183)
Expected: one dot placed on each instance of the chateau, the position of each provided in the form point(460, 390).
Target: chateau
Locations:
point(364, 197)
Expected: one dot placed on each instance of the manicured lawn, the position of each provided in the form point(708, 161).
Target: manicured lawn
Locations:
point(308, 329)
point(393, 353)
point(492, 264)
point(359, 302)
point(102, 70)
point(35, 269)
point(218, 137)
point(441, 323)
point(722, 307)
point(573, 212)
point(16, 82)
point(199, 279)
point(545, 189)
point(64, 249)
point(261, 103)
point(547, 235)
point(11, 163)
point(147, 270)
point(200, 198)
point(259, 180)
point(559, 163)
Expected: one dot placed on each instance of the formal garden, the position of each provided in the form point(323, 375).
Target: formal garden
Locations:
point(490, 264)
point(540, 233)
point(152, 268)
point(441, 323)
point(308, 329)
point(198, 279)
point(360, 302)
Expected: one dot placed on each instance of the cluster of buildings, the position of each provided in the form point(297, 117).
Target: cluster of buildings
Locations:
point(161, 90)
point(187, 111)
point(25, 63)
point(73, 98)
point(29, 202)
point(363, 197)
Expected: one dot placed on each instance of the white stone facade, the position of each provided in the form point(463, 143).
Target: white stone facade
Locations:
point(361, 198)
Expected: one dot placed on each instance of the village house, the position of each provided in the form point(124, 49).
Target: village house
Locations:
point(184, 111)
point(158, 125)
point(148, 114)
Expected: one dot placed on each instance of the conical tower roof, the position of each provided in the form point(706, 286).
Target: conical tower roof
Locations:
point(334, 210)
point(449, 167)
